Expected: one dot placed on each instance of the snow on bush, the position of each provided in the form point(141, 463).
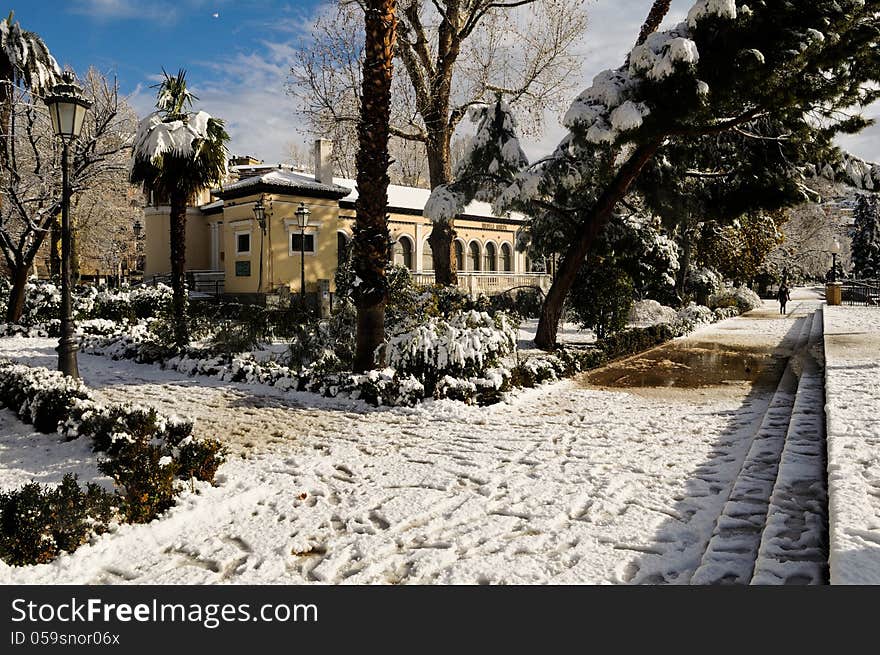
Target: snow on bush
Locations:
point(123, 306)
point(464, 345)
point(651, 312)
point(694, 316)
point(742, 298)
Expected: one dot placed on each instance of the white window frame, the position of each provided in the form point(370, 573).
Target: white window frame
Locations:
point(309, 231)
point(242, 253)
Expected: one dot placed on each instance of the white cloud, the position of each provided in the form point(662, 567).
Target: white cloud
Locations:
point(247, 89)
point(106, 10)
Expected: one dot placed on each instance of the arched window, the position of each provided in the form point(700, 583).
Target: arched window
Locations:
point(459, 255)
point(427, 257)
point(403, 252)
point(491, 257)
point(341, 247)
point(474, 256)
point(506, 258)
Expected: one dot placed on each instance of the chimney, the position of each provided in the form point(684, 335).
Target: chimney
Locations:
point(324, 161)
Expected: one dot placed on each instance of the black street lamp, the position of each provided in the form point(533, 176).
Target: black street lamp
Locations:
point(835, 249)
point(302, 219)
point(260, 216)
point(67, 108)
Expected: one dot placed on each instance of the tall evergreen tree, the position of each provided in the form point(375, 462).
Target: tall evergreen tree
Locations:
point(371, 236)
point(866, 238)
point(741, 97)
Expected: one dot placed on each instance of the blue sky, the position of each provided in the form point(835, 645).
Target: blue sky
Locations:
point(237, 55)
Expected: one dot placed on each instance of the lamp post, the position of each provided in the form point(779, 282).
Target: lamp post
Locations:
point(260, 216)
point(137, 228)
point(302, 218)
point(835, 250)
point(67, 108)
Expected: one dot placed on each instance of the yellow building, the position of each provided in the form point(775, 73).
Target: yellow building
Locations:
point(227, 248)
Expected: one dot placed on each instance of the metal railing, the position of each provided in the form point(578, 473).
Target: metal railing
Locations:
point(491, 283)
point(860, 292)
point(211, 283)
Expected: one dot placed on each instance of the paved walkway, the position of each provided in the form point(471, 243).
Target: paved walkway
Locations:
point(569, 483)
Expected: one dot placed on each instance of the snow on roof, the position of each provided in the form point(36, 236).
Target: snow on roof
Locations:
point(403, 198)
point(281, 178)
point(414, 199)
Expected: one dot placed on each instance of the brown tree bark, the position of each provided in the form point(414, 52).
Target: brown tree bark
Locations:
point(178, 268)
point(371, 237)
point(442, 240)
point(595, 221)
point(589, 229)
point(655, 17)
point(15, 308)
point(442, 237)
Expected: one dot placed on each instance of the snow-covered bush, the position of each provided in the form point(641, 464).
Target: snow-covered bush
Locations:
point(145, 451)
point(465, 345)
point(702, 283)
point(42, 302)
point(723, 313)
point(742, 298)
point(650, 312)
point(38, 395)
point(692, 317)
point(39, 522)
point(126, 304)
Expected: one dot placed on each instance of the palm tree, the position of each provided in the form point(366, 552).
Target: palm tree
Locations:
point(24, 61)
point(177, 153)
point(371, 236)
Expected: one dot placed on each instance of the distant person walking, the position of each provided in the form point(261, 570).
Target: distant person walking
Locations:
point(783, 297)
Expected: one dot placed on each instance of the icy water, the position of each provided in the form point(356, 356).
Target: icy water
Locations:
point(692, 365)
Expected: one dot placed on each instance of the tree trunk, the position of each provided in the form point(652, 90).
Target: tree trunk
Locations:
point(442, 235)
point(684, 263)
point(16, 294)
point(371, 237)
point(652, 23)
point(178, 267)
point(589, 229)
point(442, 242)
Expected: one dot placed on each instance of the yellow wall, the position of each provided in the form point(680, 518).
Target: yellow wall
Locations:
point(418, 229)
point(157, 244)
point(280, 266)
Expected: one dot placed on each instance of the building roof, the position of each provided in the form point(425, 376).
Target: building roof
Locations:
point(280, 181)
point(412, 200)
point(401, 199)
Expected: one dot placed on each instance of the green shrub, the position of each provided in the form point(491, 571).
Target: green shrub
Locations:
point(37, 523)
point(601, 297)
point(38, 395)
point(635, 340)
point(146, 477)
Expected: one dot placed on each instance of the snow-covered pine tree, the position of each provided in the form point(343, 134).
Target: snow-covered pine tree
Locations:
point(492, 158)
point(866, 238)
point(744, 96)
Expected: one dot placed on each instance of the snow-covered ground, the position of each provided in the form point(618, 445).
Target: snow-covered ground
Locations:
point(852, 355)
point(565, 484)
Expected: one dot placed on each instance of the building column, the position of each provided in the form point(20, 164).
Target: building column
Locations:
point(419, 250)
point(215, 250)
